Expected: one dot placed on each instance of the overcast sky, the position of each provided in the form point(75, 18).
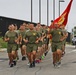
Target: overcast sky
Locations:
point(21, 9)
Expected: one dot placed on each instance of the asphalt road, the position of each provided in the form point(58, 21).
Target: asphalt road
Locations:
point(68, 66)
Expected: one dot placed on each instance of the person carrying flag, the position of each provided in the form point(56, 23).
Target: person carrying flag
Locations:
point(56, 46)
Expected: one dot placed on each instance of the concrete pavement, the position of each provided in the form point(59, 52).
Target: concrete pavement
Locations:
point(68, 66)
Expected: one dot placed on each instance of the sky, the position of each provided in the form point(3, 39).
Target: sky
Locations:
point(21, 9)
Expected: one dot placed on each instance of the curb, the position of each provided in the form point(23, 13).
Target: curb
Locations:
point(3, 49)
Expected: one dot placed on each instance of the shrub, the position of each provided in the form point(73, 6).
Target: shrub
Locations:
point(3, 44)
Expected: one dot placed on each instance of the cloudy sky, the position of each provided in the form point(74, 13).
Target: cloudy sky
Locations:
point(21, 9)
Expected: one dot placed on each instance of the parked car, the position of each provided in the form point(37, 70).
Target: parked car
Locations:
point(74, 40)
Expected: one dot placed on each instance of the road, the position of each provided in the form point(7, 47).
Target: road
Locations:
point(68, 66)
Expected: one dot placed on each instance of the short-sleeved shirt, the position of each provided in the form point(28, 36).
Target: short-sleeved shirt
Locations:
point(21, 34)
point(56, 35)
point(32, 36)
point(40, 35)
point(12, 46)
point(12, 35)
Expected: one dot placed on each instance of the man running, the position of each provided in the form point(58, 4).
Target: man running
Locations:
point(57, 38)
point(31, 39)
point(11, 39)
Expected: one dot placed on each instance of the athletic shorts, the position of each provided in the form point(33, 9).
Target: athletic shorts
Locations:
point(40, 44)
point(11, 47)
point(31, 48)
point(56, 46)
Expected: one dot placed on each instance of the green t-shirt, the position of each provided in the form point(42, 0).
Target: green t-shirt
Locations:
point(21, 34)
point(12, 35)
point(56, 35)
point(32, 36)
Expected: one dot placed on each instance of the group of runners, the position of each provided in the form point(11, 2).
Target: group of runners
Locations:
point(33, 42)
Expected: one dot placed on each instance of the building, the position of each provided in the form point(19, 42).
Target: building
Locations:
point(5, 22)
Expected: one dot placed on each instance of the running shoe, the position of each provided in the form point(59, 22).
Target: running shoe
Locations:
point(14, 62)
point(59, 64)
point(11, 64)
point(33, 64)
point(30, 65)
point(23, 58)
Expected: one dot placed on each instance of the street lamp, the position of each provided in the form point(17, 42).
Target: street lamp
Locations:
point(59, 5)
point(31, 10)
point(39, 11)
point(47, 11)
point(53, 9)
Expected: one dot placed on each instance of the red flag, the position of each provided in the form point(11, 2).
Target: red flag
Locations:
point(63, 18)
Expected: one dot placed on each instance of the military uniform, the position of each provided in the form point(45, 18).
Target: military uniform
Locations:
point(40, 35)
point(45, 40)
point(31, 36)
point(17, 31)
point(21, 34)
point(11, 43)
point(56, 36)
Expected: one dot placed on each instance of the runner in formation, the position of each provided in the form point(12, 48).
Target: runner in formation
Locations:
point(33, 41)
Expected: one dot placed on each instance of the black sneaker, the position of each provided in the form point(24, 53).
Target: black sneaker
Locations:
point(14, 62)
point(46, 53)
point(31, 65)
point(24, 58)
point(11, 65)
point(55, 64)
point(59, 64)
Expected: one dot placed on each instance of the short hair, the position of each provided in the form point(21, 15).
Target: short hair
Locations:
point(38, 23)
point(51, 20)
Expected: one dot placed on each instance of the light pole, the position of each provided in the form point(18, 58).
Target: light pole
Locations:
point(40, 11)
point(53, 9)
point(31, 10)
point(47, 12)
point(59, 5)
